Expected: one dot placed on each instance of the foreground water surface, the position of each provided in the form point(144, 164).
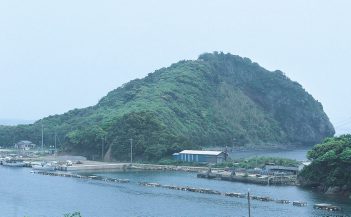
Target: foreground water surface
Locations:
point(33, 195)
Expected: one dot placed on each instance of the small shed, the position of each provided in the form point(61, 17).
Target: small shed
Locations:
point(281, 169)
point(25, 145)
point(200, 156)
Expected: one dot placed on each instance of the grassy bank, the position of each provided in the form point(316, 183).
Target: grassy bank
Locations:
point(249, 163)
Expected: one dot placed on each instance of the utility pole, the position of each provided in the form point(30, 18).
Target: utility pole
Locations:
point(42, 136)
point(248, 201)
point(131, 151)
point(55, 142)
point(102, 148)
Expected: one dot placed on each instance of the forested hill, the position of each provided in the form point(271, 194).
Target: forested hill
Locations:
point(217, 100)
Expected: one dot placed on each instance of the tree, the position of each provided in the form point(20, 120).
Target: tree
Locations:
point(330, 163)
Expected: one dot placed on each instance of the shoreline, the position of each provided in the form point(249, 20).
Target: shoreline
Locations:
point(96, 166)
point(201, 172)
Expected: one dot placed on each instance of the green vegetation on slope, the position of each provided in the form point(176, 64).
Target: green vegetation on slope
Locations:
point(248, 163)
point(212, 101)
point(259, 162)
point(331, 164)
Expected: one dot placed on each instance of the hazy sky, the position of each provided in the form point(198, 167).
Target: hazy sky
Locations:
point(60, 55)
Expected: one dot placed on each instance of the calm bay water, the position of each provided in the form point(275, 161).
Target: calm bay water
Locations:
point(25, 194)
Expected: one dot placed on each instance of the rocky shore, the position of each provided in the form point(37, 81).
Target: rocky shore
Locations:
point(342, 191)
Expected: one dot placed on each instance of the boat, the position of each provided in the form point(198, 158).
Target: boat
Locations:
point(262, 198)
point(44, 167)
point(13, 162)
point(234, 194)
point(283, 201)
point(327, 206)
point(299, 203)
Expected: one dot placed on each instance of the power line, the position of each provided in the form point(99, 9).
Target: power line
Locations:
point(344, 124)
point(343, 121)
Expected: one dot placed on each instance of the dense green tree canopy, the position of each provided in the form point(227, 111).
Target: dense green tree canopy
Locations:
point(331, 163)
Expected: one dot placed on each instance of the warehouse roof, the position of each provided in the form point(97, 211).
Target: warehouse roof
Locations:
point(200, 152)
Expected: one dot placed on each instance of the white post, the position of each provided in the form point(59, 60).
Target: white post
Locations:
point(102, 148)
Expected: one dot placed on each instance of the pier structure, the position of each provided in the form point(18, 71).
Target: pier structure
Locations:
point(254, 179)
